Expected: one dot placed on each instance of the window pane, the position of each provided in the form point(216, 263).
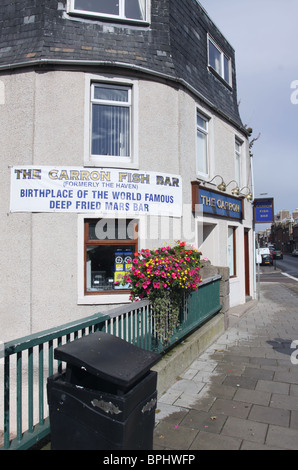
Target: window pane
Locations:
point(201, 122)
point(110, 94)
point(215, 58)
point(106, 264)
point(237, 170)
point(231, 250)
point(110, 7)
point(110, 130)
point(202, 162)
point(135, 9)
point(112, 229)
point(238, 162)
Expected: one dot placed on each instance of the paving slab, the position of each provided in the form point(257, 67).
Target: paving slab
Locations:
point(245, 429)
point(256, 397)
point(270, 415)
point(283, 437)
point(209, 441)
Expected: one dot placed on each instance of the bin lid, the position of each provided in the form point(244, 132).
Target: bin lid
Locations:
point(108, 357)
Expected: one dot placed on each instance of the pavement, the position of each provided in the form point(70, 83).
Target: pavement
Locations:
point(241, 393)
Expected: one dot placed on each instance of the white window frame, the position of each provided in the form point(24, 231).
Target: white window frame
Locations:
point(130, 161)
point(206, 133)
point(112, 104)
point(95, 299)
point(121, 17)
point(223, 56)
point(238, 161)
point(232, 250)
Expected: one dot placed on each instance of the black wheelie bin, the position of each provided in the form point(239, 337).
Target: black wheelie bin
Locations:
point(106, 397)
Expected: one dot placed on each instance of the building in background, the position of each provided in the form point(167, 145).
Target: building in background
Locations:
point(120, 130)
point(284, 232)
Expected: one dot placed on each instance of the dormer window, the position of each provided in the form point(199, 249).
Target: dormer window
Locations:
point(219, 61)
point(132, 10)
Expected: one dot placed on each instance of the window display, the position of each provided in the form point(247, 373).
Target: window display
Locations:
point(109, 249)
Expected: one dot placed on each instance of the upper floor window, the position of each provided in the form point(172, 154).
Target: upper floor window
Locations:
point(219, 61)
point(110, 116)
point(111, 122)
point(136, 10)
point(238, 146)
point(202, 144)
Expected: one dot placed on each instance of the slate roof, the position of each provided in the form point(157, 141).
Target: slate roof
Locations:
point(173, 46)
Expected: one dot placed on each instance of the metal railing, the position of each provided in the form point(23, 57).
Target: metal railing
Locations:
point(28, 361)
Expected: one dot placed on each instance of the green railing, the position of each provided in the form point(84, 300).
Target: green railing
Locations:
point(28, 361)
point(199, 307)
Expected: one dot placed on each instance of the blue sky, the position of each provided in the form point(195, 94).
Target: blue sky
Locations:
point(264, 36)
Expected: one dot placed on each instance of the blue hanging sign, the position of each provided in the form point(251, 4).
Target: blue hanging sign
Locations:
point(216, 203)
point(264, 211)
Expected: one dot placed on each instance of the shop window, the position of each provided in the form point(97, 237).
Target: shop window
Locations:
point(232, 250)
point(109, 249)
point(134, 10)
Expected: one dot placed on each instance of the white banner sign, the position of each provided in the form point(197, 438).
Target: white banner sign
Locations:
point(104, 191)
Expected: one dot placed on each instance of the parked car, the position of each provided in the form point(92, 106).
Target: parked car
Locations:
point(295, 252)
point(277, 254)
point(267, 259)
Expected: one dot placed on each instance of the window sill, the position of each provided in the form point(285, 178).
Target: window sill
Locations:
point(202, 177)
point(99, 162)
point(220, 78)
point(107, 18)
point(104, 299)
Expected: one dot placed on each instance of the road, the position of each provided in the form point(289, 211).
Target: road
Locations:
point(288, 265)
point(285, 270)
